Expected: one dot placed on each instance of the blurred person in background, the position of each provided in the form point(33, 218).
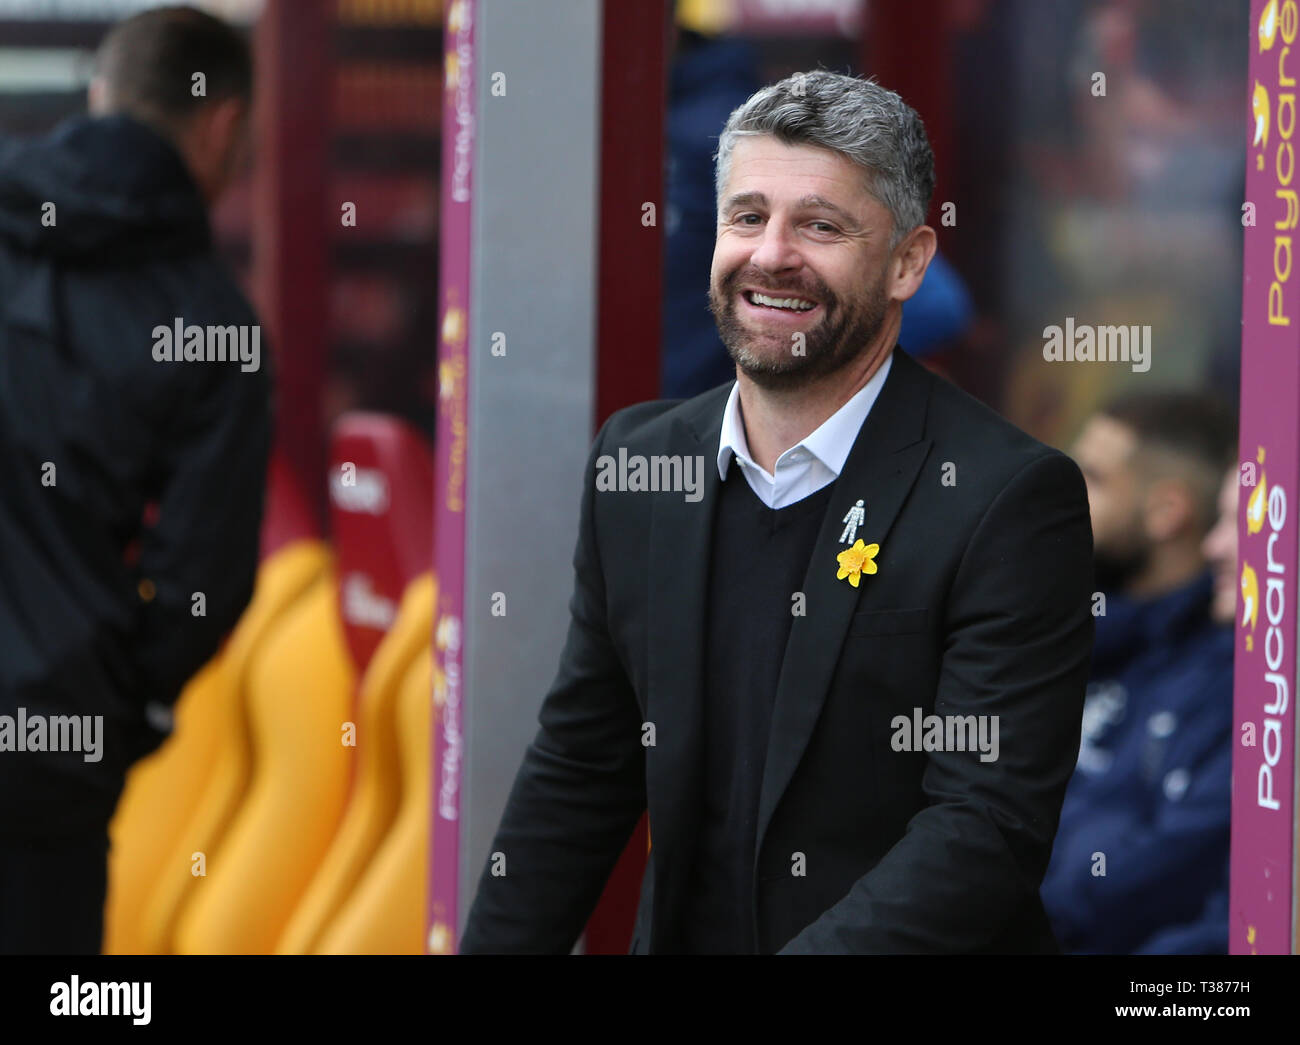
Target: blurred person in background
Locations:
point(105, 239)
point(711, 75)
point(1208, 931)
point(1220, 549)
point(1142, 848)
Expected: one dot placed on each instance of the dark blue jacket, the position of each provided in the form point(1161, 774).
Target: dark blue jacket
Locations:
point(1152, 789)
point(708, 82)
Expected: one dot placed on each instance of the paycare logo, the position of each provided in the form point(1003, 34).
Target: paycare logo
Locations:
point(446, 697)
point(1283, 20)
point(1267, 505)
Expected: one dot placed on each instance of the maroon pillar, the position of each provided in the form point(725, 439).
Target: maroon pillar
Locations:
point(907, 47)
point(634, 98)
point(290, 216)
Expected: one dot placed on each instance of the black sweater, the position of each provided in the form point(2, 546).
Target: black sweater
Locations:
point(758, 562)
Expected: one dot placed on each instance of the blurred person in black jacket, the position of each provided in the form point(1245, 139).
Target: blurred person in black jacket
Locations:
point(131, 375)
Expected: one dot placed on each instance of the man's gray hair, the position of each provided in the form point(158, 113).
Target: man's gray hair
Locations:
point(862, 121)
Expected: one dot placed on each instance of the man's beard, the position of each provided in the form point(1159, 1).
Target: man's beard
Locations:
point(1115, 570)
point(842, 334)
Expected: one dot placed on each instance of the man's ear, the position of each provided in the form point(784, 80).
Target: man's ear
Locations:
point(225, 120)
point(97, 96)
point(215, 143)
point(910, 260)
point(1168, 508)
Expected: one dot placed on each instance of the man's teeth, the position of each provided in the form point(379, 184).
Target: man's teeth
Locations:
point(798, 304)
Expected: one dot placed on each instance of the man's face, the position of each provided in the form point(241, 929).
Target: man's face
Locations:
point(1104, 452)
point(797, 222)
point(1220, 551)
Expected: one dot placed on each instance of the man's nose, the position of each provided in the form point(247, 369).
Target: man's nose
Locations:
point(778, 250)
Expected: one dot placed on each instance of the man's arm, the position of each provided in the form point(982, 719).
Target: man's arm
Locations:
point(1208, 934)
point(1160, 850)
point(1019, 644)
point(580, 789)
point(206, 538)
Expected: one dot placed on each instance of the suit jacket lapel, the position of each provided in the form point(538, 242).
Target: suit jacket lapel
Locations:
point(680, 536)
point(880, 469)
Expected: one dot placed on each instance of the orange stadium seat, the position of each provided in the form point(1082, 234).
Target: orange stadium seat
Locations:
point(377, 790)
point(381, 514)
point(160, 795)
point(386, 912)
point(281, 582)
point(300, 687)
point(179, 800)
point(283, 868)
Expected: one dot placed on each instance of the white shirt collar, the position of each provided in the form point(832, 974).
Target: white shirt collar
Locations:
point(830, 443)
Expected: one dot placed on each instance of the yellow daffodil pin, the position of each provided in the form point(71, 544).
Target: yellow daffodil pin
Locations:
point(856, 561)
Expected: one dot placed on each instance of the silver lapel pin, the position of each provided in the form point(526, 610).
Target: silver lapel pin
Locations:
point(852, 521)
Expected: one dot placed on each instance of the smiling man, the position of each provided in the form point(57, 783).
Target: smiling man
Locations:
point(872, 547)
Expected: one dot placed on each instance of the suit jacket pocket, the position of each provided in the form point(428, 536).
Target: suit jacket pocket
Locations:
point(888, 622)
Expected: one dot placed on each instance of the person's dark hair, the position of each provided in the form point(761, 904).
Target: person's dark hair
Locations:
point(149, 60)
point(1195, 428)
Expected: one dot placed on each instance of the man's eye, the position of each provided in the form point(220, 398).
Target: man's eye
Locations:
point(822, 226)
point(743, 219)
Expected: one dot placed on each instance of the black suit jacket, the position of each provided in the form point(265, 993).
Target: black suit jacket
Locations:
point(981, 606)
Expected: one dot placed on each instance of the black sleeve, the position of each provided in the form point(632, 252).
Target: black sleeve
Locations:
point(581, 787)
point(205, 540)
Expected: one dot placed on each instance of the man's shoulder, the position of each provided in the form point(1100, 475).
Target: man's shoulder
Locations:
point(957, 415)
point(961, 427)
point(648, 425)
point(965, 430)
